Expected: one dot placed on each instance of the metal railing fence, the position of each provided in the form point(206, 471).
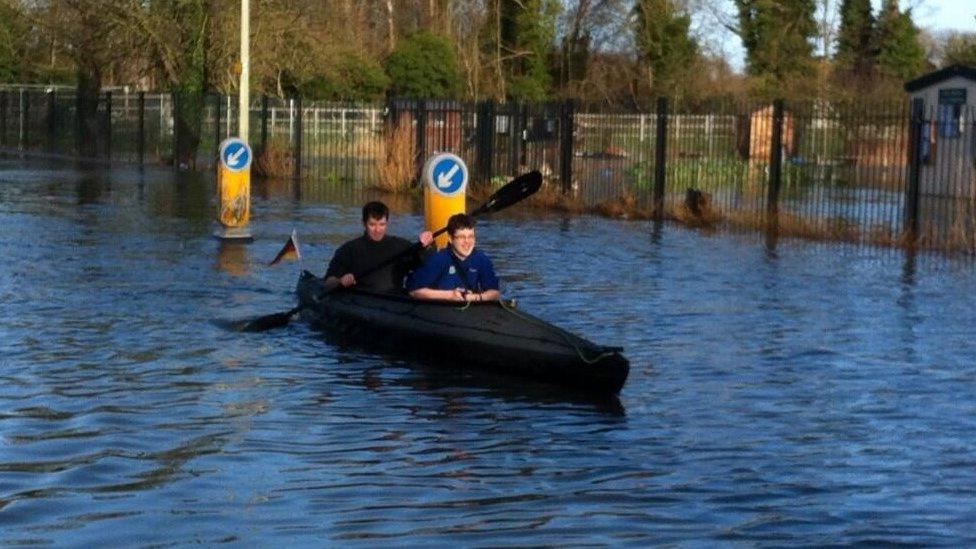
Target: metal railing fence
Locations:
point(872, 172)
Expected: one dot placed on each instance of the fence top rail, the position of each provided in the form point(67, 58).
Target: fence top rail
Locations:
point(67, 88)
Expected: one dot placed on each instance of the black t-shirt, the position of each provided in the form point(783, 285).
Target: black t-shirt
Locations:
point(363, 253)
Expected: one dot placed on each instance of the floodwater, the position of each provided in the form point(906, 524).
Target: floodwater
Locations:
point(796, 394)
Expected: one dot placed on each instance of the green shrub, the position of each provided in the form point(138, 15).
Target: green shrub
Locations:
point(424, 65)
point(353, 77)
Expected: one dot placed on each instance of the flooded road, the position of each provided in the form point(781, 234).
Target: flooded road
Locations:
point(806, 394)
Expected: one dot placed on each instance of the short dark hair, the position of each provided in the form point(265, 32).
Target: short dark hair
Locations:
point(375, 210)
point(459, 221)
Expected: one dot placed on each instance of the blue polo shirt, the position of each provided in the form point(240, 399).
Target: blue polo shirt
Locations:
point(439, 272)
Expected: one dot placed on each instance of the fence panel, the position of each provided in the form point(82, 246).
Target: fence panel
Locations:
point(839, 171)
point(947, 178)
point(723, 152)
point(845, 174)
point(341, 142)
point(613, 156)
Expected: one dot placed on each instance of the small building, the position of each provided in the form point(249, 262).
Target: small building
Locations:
point(948, 141)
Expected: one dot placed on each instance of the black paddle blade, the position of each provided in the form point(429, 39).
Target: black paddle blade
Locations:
point(515, 191)
point(266, 322)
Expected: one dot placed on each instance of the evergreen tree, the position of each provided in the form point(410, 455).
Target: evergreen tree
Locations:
point(664, 44)
point(187, 43)
point(527, 33)
point(424, 65)
point(777, 37)
point(12, 32)
point(854, 41)
point(900, 53)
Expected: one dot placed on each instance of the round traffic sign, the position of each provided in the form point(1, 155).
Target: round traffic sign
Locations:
point(235, 155)
point(446, 174)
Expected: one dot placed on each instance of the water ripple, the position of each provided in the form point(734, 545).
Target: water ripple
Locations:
point(811, 397)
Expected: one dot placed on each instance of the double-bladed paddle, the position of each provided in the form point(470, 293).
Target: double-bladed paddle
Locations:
point(513, 192)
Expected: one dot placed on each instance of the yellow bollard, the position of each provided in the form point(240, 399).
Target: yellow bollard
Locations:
point(234, 190)
point(446, 176)
point(438, 209)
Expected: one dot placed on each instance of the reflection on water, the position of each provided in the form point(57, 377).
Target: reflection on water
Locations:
point(90, 188)
point(781, 393)
point(233, 258)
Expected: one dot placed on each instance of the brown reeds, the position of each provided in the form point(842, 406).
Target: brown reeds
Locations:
point(624, 206)
point(697, 210)
point(549, 197)
point(883, 235)
point(276, 160)
point(961, 233)
point(552, 197)
point(368, 146)
point(396, 160)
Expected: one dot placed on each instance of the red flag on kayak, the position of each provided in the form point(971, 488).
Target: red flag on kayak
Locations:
point(289, 250)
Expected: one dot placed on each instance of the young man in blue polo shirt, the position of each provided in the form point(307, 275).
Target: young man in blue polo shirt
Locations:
point(459, 272)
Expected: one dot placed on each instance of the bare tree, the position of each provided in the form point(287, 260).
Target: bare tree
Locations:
point(96, 47)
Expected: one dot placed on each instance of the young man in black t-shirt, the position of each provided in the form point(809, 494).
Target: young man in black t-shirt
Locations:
point(373, 248)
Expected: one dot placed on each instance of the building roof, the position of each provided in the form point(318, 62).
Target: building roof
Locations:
point(940, 75)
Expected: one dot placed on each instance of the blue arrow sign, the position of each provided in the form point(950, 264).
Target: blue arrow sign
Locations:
point(235, 155)
point(447, 174)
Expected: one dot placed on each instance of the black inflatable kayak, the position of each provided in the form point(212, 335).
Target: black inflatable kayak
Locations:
point(492, 336)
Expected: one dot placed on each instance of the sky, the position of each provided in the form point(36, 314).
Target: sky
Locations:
point(933, 15)
point(957, 15)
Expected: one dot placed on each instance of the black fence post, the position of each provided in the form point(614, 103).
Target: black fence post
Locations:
point(108, 126)
point(916, 122)
point(24, 120)
point(486, 139)
point(264, 123)
point(515, 143)
point(4, 102)
point(79, 108)
point(420, 108)
point(298, 138)
point(660, 156)
point(216, 144)
point(567, 124)
point(176, 129)
point(141, 151)
point(775, 161)
point(52, 126)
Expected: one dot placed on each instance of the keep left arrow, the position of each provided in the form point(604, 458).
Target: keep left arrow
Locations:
point(444, 179)
point(233, 157)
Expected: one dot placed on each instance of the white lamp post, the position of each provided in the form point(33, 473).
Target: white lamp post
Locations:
point(234, 166)
point(244, 99)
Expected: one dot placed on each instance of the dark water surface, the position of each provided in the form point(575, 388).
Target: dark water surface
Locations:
point(808, 395)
